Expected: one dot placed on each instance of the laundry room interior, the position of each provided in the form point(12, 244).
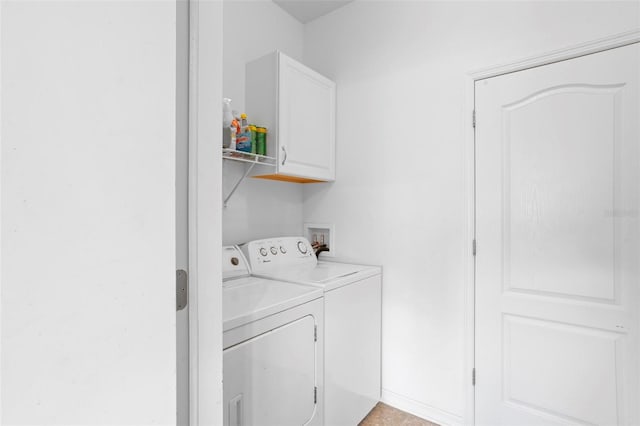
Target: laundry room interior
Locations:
point(320, 213)
point(400, 198)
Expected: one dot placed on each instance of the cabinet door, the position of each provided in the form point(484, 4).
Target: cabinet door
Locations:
point(306, 128)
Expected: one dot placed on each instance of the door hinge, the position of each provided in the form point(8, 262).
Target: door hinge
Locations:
point(473, 118)
point(473, 246)
point(182, 289)
point(473, 377)
point(315, 395)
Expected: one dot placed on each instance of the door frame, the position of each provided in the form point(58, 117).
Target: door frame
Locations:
point(205, 213)
point(470, 78)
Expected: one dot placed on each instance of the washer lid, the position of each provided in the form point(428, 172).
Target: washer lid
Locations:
point(328, 275)
point(249, 299)
point(327, 271)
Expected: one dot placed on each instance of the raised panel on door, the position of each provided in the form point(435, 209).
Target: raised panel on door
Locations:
point(269, 380)
point(537, 352)
point(558, 237)
point(306, 128)
point(558, 186)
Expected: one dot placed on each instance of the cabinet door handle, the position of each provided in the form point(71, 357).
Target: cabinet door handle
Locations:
point(285, 155)
point(235, 411)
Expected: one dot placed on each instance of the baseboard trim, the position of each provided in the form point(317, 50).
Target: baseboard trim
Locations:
point(427, 412)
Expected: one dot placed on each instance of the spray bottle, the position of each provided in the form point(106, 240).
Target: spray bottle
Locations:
point(227, 119)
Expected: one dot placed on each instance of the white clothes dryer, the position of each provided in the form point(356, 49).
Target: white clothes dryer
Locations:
point(273, 348)
point(352, 321)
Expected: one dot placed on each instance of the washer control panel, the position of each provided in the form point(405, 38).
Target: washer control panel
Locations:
point(271, 253)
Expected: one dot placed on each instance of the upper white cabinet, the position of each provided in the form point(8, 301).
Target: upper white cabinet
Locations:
point(297, 105)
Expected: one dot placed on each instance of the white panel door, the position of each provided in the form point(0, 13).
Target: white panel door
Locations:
point(558, 237)
point(88, 213)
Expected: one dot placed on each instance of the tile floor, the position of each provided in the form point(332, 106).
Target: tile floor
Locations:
point(385, 415)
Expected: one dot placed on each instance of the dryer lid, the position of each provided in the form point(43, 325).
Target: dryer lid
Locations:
point(249, 299)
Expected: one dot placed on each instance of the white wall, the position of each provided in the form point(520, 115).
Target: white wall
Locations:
point(259, 208)
point(88, 213)
point(399, 196)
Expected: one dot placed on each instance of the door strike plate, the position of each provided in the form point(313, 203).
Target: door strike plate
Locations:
point(182, 289)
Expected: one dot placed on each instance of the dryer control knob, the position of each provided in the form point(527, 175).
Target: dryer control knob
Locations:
point(263, 251)
point(302, 247)
point(283, 250)
point(274, 250)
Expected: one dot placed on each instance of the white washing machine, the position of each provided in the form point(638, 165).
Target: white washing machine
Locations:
point(352, 321)
point(273, 348)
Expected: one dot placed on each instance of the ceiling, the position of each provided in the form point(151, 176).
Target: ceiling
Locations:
point(308, 10)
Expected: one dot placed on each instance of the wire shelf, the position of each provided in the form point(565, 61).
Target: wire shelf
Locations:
point(247, 157)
